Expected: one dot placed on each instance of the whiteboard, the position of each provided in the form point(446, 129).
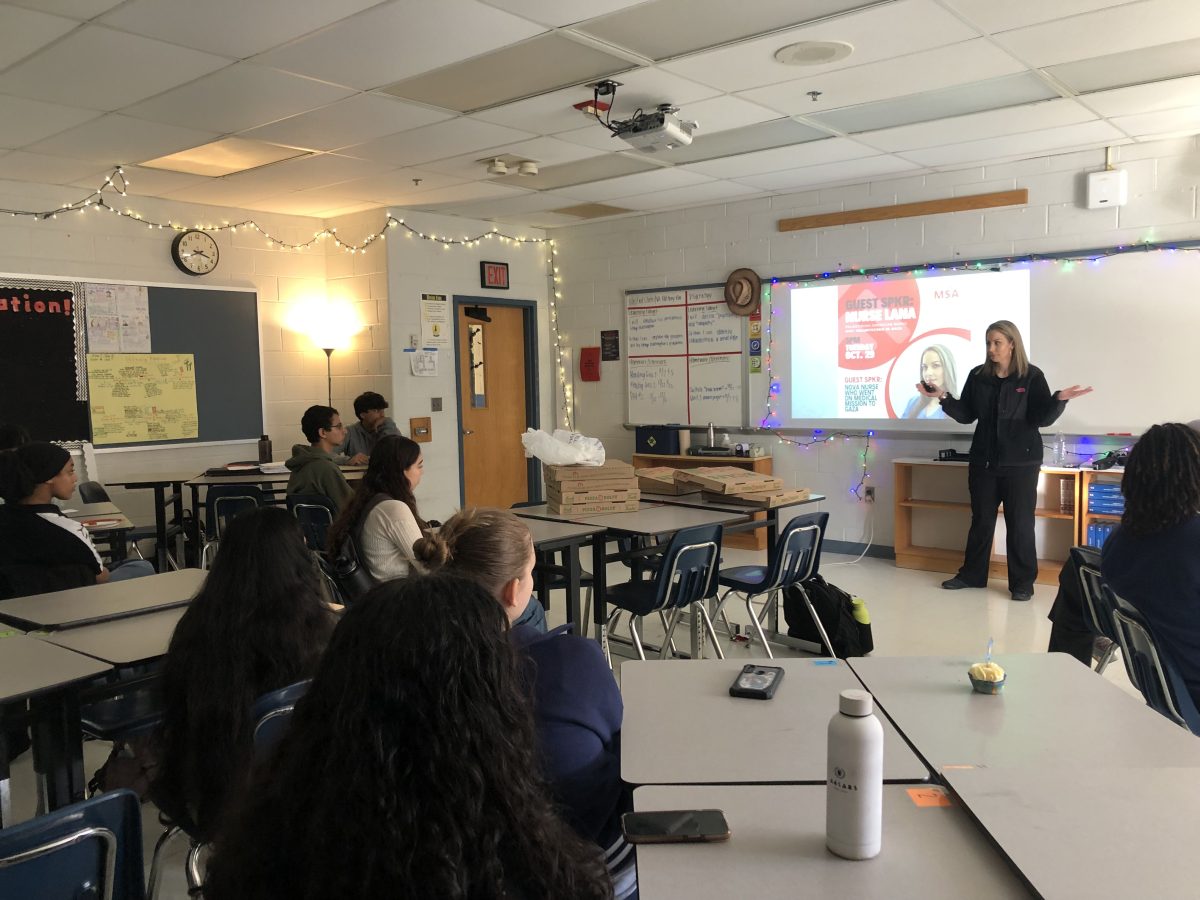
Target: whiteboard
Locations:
point(686, 358)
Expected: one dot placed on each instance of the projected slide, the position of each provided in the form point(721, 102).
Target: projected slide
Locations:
point(857, 349)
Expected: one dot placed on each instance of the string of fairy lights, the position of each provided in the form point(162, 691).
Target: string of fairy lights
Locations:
point(117, 183)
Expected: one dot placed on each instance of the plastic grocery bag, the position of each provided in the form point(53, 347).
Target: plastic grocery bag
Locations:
point(563, 448)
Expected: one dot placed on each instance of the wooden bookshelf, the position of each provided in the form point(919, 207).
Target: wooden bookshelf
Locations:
point(1086, 516)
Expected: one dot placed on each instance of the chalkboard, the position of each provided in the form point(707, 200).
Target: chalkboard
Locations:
point(686, 360)
point(43, 347)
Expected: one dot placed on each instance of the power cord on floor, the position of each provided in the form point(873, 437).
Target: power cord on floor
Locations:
point(869, 529)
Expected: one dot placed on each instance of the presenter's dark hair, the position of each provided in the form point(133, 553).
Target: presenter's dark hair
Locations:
point(1162, 479)
point(409, 769)
point(13, 436)
point(385, 474)
point(315, 418)
point(368, 400)
point(259, 622)
point(1020, 359)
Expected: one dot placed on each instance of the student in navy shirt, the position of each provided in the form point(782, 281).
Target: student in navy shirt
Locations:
point(1152, 560)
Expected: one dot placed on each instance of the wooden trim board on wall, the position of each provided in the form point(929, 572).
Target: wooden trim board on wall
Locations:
point(1017, 197)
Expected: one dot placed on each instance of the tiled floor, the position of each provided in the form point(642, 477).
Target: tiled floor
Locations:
point(910, 614)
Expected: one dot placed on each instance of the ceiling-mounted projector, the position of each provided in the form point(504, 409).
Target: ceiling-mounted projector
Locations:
point(655, 131)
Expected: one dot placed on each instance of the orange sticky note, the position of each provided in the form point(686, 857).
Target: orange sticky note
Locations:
point(928, 797)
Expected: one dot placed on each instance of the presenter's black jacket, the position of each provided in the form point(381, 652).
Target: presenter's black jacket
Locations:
point(1009, 412)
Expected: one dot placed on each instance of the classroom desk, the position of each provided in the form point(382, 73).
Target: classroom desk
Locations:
point(1052, 710)
point(776, 849)
point(1091, 832)
point(552, 537)
point(167, 508)
point(46, 676)
point(105, 521)
point(682, 727)
point(102, 602)
point(121, 642)
point(271, 482)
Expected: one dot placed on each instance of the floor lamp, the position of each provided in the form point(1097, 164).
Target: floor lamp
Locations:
point(329, 370)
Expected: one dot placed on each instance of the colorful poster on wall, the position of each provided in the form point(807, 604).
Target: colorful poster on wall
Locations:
point(140, 397)
point(435, 320)
point(118, 318)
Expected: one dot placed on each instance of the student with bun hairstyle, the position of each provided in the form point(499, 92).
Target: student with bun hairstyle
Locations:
point(576, 703)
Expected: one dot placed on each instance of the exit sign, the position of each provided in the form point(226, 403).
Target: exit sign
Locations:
point(493, 275)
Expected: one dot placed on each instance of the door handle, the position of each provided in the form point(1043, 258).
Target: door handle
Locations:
point(467, 431)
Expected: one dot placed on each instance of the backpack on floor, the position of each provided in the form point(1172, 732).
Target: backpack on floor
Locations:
point(836, 609)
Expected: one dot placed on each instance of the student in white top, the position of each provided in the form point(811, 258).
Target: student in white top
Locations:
point(382, 514)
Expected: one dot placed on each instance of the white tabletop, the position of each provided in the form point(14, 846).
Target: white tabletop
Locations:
point(99, 602)
point(682, 727)
point(776, 849)
point(29, 667)
point(122, 642)
point(702, 501)
point(544, 531)
point(663, 520)
point(1091, 832)
point(1052, 709)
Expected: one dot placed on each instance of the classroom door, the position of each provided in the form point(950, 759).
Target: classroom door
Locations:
point(493, 374)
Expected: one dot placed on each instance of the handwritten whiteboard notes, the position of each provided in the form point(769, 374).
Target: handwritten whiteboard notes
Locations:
point(138, 397)
point(685, 357)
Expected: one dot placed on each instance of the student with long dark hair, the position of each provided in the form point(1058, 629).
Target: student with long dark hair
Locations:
point(576, 702)
point(382, 514)
point(260, 622)
point(1152, 559)
point(408, 769)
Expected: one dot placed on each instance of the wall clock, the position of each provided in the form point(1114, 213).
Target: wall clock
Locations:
point(195, 252)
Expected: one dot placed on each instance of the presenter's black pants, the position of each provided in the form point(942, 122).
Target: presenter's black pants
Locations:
point(1016, 488)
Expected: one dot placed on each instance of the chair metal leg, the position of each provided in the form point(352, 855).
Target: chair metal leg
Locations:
point(668, 643)
point(169, 834)
point(754, 620)
point(604, 630)
point(668, 632)
point(204, 554)
point(585, 626)
point(712, 632)
point(637, 638)
point(812, 611)
point(719, 612)
point(1107, 657)
point(192, 868)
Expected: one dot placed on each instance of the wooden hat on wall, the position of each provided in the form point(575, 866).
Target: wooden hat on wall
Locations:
point(743, 292)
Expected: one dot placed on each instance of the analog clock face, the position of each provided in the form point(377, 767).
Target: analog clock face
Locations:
point(195, 252)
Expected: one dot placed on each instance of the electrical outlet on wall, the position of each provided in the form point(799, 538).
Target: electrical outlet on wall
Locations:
point(869, 494)
point(435, 404)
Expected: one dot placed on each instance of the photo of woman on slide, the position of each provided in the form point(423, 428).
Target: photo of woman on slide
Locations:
point(937, 371)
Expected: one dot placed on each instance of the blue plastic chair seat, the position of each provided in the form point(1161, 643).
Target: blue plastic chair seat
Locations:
point(637, 597)
point(743, 578)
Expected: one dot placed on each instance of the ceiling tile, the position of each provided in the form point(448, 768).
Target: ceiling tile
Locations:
point(227, 156)
point(260, 25)
point(505, 74)
point(239, 97)
point(18, 165)
point(437, 141)
point(545, 151)
point(1132, 67)
point(996, 93)
point(1033, 143)
point(315, 202)
point(306, 173)
point(994, 123)
point(667, 28)
point(776, 133)
point(400, 39)
point(594, 168)
point(595, 136)
point(643, 182)
point(31, 120)
point(395, 184)
point(914, 73)
point(354, 120)
point(1129, 27)
point(545, 114)
point(115, 139)
point(1145, 98)
point(99, 68)
point(722, 113)
point(142, 182)
point(461, 193)
point(25, 31)
point(991, 16)
point(507, 207)
point(1162, 123)
point(220, 192)
point(694, 195)
point(561, 12)
point(808, 154)
point(876, 33)
point(81, 10)
point(829, 173)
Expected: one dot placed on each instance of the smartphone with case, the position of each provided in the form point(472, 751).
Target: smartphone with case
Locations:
point(756, 682)
point(675, 826)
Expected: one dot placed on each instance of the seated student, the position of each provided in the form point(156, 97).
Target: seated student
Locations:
point(313, 468)
point(407, 770)
point(372, 424)
point(382, 514)
point(1152, 559)
point(576, 703)
point(41, 550)
point(260, 622)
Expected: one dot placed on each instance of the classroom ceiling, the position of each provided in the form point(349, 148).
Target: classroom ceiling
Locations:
point(326, 107)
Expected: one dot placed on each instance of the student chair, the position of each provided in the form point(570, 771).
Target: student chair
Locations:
point(1152, 671)
point(272, 715)
point(1097, 607)
point(222, 504)
point(686, 578)
point(88, 849)
point(315, 513)
point(797, 554)
point(95, 492)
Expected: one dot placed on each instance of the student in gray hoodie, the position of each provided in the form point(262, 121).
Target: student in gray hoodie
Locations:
point(313, 468)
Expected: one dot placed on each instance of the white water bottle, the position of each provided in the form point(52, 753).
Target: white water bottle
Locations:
point(854, 786)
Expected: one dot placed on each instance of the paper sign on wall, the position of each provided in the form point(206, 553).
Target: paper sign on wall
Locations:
point(435, 320)
point(137, 397)
point(423, 363)
point(118, 318)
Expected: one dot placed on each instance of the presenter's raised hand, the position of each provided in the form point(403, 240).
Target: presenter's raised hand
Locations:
point(921, 389)
point(1070, 393)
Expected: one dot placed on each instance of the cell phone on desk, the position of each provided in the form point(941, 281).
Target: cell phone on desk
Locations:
point(756, 682)
point(675, 826)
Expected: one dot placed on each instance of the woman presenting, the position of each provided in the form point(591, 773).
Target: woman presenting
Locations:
point(1009, 399)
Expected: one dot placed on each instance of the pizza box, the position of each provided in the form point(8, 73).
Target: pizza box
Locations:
point(661, 480)
point(612, 469)
point(762, 499)
point(572, 497)
point(730, 480)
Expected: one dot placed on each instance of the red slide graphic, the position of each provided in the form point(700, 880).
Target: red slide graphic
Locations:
point(876, 321)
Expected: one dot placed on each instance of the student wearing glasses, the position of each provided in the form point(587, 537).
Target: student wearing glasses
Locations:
point(313, 468)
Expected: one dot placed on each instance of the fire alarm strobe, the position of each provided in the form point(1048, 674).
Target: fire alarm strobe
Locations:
point(1107, 188)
